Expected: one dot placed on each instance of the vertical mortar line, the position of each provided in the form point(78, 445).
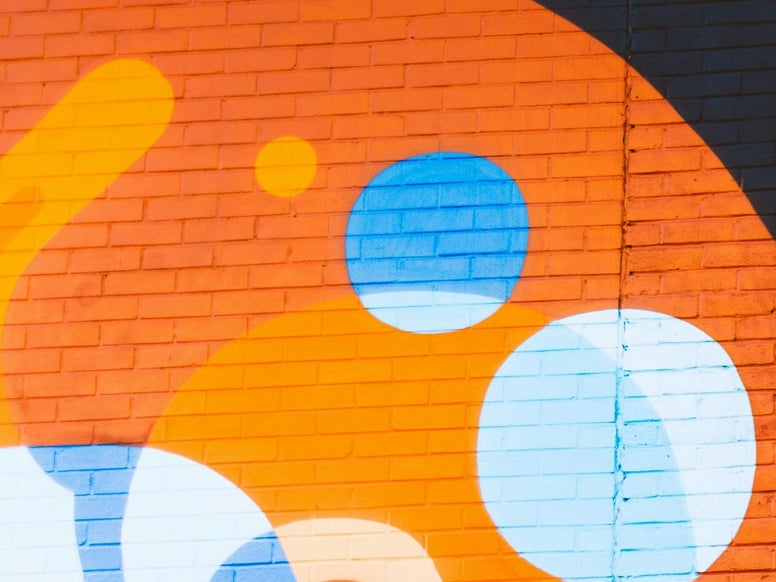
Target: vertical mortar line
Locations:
point(619, 476)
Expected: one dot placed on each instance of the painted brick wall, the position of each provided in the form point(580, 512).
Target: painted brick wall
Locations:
point(365, 290)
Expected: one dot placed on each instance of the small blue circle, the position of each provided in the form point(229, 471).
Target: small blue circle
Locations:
point(436, 242)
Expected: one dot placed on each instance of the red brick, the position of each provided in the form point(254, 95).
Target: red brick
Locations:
point(20, 95)
point(21, 48)
point(228, 279)
point(152, 42)
point(588, 116)
point(293, 82)
point(221, 229)
point(233, 37)
point(104, 260)
point(270, 276)
point(335, 10)
point(297, 34)
point(50, 286)
point(554, 142)
point(354, 127)
point(252, 12)
point(435, 75)
point(419, 51)
point(143, 331)
point(263, 59)
point(221, 85)
point(191, 16)
point(480, 49)
point(190, 158)
point(44, 70)
point(367, 78)
point(176, 257)
point(327, 57)
point(93, 44)
point(519, 23)
point(481, 5)
point(664, 259)
point(146, 233)
point(79, 4)
point(455, 26)
point(42, 23)
point(444, 121)
point(478, 97)
point(211, 329)
point(739, 255)
point(516, 71)
point(581, 165)
point(140, 282)
point(101, 309)
point(251, 253)
point(517, 119)
point(249, 302)
point(175, 305)
point(332, 104)
point(378, 30)
point(264, 107)
point(664, 160)
point(220, 133)
point(402, 147)
point(401, 100)
point(124, 19)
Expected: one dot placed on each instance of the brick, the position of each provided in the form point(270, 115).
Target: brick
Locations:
point(238, 36)
point(146, 233)
point(257, 60)
point(267, 11)
point(172, 257)
point(356, 126)
point(665, 160)
point(21, 48)
point(190, 158)
point(436, 75)
point(374, 77)
point(190, 16)
point(152, 42)
point(581, 165)
point(104, 260)
point(566, 93)
point(334, 10)
point(171, 356)
point(293, 82)
point(328, 57)
point(23, 23)
point(379, 30)
point(333, 105)
point(198, 280)
point(480, 49)
point(50, 286)
point(420, 51)
point(448, 26)
point(44, 70)
point(520, 119)
point(221, 85)
point(516, 71)
point(554, 142)
point(264, 107)
point(298, 34)
point(587, 116)
point(437, 122)
point(519, 23)
point(478, 97)
point(112, 20)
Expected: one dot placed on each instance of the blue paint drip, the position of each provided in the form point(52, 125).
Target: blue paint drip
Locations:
point(262, 558)
point(99, 476)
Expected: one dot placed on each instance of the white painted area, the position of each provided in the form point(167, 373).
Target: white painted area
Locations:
point(37, 529)
point(429, 311)
point(183, 520)
point(320, 550)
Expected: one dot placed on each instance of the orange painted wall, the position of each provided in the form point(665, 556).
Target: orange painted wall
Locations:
point(157, 293)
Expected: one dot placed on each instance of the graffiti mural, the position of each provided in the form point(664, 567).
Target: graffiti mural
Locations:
point(312, 291)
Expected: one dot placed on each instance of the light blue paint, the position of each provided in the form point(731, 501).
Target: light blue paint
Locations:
point(436, 243)
point(644, 461)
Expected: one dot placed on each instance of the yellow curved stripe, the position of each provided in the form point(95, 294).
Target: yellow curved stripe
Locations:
point(93, 135)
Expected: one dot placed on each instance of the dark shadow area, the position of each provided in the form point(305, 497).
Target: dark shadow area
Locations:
point(715, 62)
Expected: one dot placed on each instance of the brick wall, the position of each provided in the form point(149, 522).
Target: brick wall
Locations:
point(383, 290)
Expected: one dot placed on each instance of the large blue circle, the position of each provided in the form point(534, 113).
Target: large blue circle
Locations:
point(436, 242)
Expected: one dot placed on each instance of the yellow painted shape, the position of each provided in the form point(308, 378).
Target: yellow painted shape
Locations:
point(320, 550)
point(84, 143)
point(286, 166)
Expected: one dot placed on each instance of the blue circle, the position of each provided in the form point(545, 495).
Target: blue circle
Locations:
point(436, 242)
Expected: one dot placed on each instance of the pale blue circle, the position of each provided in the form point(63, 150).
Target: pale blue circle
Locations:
point(615, 445)
point(436, 242)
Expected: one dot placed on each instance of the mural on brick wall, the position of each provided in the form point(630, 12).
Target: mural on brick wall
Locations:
point(370, 290)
